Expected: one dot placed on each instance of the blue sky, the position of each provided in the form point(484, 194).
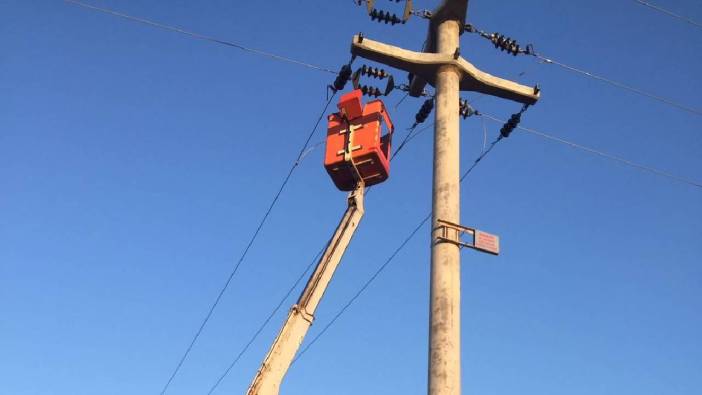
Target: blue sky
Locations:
point(135, 164)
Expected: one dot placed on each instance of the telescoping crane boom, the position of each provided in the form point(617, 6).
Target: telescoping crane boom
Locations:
point(278, 360)
point(356, 156)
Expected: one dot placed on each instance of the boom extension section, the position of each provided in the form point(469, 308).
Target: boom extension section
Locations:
point(274, 367)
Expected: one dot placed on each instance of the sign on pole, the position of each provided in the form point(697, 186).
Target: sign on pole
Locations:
point(487, 242)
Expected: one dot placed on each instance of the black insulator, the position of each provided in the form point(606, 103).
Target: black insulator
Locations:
point(343, 76)
point(511, 124)
point(374, 72)
point(370, 90)
point(424, 111)
point(385, 16)
point(505, 43)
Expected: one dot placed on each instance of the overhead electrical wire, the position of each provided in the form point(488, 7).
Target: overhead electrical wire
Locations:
point(603, 154)
point(411, 134)
point(618, 84)
point(669, 13)
point(201, 36)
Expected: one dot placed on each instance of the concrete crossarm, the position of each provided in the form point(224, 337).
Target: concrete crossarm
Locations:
point(425, 65)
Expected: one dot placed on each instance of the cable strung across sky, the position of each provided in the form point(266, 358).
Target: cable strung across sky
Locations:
point(603, 154)
point(618, 84)
point(669, 13)
point(202, 36)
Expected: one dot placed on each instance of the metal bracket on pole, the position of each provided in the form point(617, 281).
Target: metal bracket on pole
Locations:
point(449, 232)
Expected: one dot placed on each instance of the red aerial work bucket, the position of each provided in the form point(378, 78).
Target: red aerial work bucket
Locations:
point(356, 145)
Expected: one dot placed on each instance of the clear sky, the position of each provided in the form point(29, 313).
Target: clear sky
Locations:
point(135, 164)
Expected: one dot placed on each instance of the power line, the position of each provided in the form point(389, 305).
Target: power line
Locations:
point(201, 36)
point(669, 13)
point(248, 246)
point(603, 154)
point(404, 141)
point(618, 84)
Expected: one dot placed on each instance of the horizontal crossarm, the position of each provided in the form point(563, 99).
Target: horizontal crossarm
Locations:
point(426, 65)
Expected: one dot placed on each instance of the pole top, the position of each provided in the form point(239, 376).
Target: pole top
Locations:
point(455, 10)
point(448, 10)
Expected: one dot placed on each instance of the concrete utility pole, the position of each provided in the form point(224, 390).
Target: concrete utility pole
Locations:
point(442, 67)
point(445, 296)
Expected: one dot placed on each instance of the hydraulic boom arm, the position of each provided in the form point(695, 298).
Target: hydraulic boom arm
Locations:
point(281, 354)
